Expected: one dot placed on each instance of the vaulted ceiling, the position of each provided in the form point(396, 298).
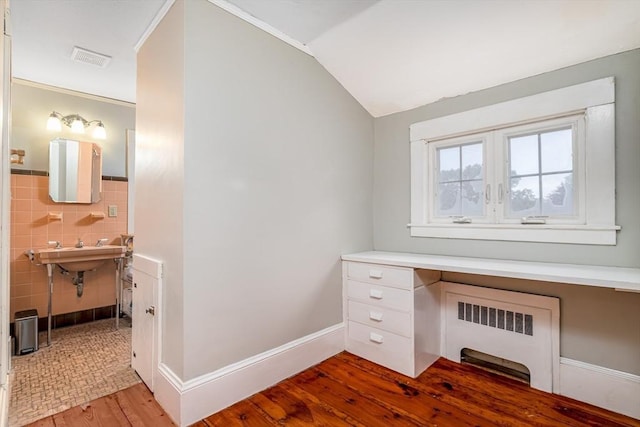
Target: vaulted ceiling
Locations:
point(391, 55)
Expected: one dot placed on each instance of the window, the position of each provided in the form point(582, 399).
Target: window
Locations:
point(540, 174)
point(460, 180)
point(518, 170)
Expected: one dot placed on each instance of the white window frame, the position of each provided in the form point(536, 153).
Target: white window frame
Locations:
point(577, 123)
point(433, 165)
point(594, 166)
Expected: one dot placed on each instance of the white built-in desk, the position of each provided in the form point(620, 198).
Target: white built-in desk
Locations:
point(391, 300)
point(618, 278)
point(395, 314)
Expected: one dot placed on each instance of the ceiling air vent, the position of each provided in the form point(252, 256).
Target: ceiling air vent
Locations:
point(86, 56)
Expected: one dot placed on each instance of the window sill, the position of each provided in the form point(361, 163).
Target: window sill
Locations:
point(546, 233)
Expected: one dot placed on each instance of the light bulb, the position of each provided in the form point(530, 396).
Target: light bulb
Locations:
point(100, 132)
point(77, 126)
point(53, 123)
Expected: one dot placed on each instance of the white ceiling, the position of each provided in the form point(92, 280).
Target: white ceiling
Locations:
point(391, 55)
point(398, 55)
point(303, 20)
point(44, 33)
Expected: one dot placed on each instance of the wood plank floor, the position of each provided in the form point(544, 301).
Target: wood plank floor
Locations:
point(134, 406)
point(346, 390)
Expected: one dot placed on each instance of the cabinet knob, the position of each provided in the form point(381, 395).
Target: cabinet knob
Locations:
point(376, 338)
point(375, 274)
point(375, 315)
point(375, 293)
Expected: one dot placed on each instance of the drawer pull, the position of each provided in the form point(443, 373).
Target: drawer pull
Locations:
point(377, 338)
point(375, 274)
point(375, 293)
point(375, 315)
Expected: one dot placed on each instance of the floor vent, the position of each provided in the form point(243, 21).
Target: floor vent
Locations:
point(496, 318)
point(503, 328)
point(507, 368)
point(88, 57)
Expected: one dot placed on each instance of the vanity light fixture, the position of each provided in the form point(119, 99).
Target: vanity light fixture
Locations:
point(77, 123)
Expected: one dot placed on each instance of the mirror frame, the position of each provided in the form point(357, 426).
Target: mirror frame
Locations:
point(75, 171)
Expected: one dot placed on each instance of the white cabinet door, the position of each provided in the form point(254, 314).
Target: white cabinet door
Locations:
point(143, 345)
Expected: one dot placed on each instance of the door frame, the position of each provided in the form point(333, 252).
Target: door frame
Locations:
point(5, 209)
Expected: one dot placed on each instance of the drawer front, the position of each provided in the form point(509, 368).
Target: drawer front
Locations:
point(381, 347)
point(381, 274)
point(381, 296)
point(398, 322)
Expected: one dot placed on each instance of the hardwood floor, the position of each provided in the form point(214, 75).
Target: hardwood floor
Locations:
point(348, 391)
point(134, 406)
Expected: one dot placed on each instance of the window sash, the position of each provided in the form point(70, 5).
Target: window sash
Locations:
point(496, 177)
point(433, 189)
point(501, 138)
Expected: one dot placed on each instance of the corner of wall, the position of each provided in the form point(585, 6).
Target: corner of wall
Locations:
point(193, 400)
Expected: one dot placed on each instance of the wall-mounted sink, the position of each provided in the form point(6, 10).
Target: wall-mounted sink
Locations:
point(78, 259)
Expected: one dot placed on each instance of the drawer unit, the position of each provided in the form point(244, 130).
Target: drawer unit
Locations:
point(391, 316)
point(382, 296)
point(381, 274)
point(382, 347)
point(398, 322)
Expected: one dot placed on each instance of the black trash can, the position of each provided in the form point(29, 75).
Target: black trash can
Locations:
point(26, 326)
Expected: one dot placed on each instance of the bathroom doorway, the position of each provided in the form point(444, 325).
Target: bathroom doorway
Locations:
point(88, 356)
point(33, 219)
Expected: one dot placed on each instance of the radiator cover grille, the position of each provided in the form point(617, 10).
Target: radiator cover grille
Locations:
point(520, 323)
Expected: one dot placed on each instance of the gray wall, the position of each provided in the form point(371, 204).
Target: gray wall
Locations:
point(392, 173)
point(275, 184)
point(159, 170)
point(31, 106)
point(278, 184)
point(599, 326)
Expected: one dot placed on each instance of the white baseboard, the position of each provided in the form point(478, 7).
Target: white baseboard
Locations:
point(607, 388)
point(190, 401)
point(167, 392)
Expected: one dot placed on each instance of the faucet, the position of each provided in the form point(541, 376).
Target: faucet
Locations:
point(101, 242)
point(57, 244)
point(80, 243)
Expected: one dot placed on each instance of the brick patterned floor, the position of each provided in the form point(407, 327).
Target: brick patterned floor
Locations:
point(84, 362)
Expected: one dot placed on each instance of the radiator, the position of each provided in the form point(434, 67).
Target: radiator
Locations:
point(519, 327)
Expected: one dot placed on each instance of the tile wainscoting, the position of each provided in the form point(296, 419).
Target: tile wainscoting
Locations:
point(32, 228)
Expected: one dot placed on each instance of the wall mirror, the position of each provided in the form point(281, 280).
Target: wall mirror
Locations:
point(75, 171)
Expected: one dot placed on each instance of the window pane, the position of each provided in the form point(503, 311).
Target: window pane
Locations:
point(557, 151)
point(472, 161)
point(460, 180)
point(449, 164)
point(523, 155)
point(449, 199)
point(557, 193)
point(472, 198)
point(524, 196)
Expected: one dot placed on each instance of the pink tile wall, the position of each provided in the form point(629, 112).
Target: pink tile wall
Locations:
point(32, 228)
